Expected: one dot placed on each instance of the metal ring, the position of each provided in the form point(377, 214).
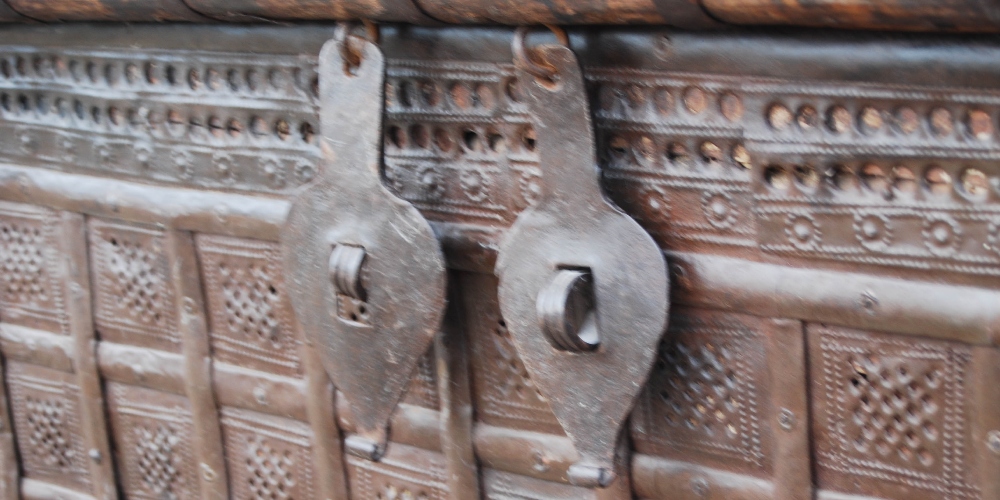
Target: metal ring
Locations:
point(372, 30)
point(539, 69)
point(352, 56)
point(345, 270)
point(566, 311)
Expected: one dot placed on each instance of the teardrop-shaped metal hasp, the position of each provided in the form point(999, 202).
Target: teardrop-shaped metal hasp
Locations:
point(363, 269)
point(576, 242)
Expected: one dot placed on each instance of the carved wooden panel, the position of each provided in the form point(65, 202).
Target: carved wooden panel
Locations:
point(74, 110)
point(725, 412)
point(913, 189)
point(799, 172)
point(502, 389)
point(251, 324)
point(459, 145)
point(423, 390)
point(133, 298)
point(891, 414)
point(31, 293)
point(675, 158)
point(152, 433)
point(269, 458)
point(449, 135)
point(735, 165)
point(46, 409)
point(404, 473)
point(260, 363)
point(708, 398)
point(54, 390)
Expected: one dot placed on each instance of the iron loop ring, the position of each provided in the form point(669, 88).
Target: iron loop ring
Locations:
point(539, 69)
point(345, 266)
point(566, 310)
point(349, 41)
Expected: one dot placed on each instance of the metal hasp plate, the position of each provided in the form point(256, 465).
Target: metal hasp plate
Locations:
point(365, 272)
point(583, 288)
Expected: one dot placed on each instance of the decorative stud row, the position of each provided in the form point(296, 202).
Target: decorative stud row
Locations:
point(939, 122)
point(467, 139)
point(641, 100)
point(972, 183)
point(155, 74)
point(647, 149)
point(74, 113)
point(429, 95)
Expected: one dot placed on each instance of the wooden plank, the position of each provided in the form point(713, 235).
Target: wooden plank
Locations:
point(786, 362)
point(321, 410)
point(451, 354)
point(197, 359)
point(79, 307)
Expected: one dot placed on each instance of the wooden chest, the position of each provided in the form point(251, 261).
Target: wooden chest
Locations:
point(827, 205)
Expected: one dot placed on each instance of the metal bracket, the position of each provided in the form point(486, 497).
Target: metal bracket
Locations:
point(583, 288)
point(364, 271)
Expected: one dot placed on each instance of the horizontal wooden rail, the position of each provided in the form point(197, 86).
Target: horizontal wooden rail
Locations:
point(965, 313)
point(908, 15)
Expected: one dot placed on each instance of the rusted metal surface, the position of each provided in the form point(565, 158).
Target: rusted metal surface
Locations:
point(585, 320)
point(831, 327)
point(370, 313)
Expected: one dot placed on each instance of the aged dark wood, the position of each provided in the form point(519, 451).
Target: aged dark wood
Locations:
point(909, 15)
point(827, 203)
point(916, 15)
point(305, 10)
point(8, 15)
point(684, 13)
point(104, 10)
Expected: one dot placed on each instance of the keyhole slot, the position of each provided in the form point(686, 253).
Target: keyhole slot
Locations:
point(346, 272)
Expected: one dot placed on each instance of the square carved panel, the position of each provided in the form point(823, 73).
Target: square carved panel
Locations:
point(30, 292)
point(708, 394)
point(251, 319)
point(152, 435)
point(46, 408)
point(889, 414)
point(269, 458)
point(504, 393)
point(404, 473)
point(423, 389)
point(133, 296)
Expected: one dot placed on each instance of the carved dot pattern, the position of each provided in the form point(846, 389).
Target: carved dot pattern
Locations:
point(139, 284)
point(46, 418)
point(517, 382)
point(157, 462)
point(893, 409)
point(392, 492)
point(700, 388)
point(270, 471)
point(22, 262)
point(251, 301)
